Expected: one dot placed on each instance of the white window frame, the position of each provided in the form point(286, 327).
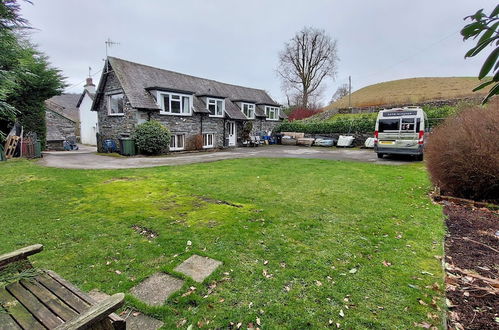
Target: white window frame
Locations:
point(272, 110)
point(109, 96)
point(161, 103)
point(174, 142)
point(206, 140)
point(218, 112)
point(251, 107)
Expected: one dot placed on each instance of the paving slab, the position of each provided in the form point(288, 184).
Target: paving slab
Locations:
point(139, 321)
point(98, 295)
point(197, 267)
point(157, 288)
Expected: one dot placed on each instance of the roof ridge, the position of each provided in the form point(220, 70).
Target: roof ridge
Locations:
point(184, 74)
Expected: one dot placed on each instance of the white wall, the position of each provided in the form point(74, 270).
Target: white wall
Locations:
point(88, 122)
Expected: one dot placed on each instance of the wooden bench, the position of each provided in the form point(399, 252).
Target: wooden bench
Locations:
point(44, 300)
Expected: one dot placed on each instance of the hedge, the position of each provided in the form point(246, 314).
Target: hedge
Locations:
point(355, 123)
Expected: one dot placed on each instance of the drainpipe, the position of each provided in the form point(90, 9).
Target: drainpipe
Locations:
point(224, 138)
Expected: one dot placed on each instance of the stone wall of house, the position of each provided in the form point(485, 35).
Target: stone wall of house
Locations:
point(113, 127)
point(263, 125)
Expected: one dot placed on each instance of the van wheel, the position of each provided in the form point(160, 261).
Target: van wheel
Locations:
point(380, 155)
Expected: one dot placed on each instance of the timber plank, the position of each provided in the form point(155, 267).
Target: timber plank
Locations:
point(63, 293)
point(6, 321)
point(33, 305)
point(19, 254)
point(95, 314)
point(18, 311)
point(117, 322)
point(50, 300)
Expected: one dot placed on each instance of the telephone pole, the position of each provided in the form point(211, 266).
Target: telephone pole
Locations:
point(350, 91)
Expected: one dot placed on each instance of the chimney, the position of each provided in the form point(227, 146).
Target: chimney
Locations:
point(89, 86)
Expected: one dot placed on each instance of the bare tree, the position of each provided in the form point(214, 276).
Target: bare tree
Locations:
point(308, 58)
point(343, 90)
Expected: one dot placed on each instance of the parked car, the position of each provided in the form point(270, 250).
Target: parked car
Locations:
point(401, 131)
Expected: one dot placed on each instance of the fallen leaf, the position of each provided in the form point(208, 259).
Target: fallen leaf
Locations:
point(250, 304)
point(330, 322)
point(386, 263)
point(189, 327)
point(341, 313)
point(265, 262)
point(424, 325)
point(421, 302)
point(258, 321)
point(239, 325)
point(283, 264)
point(353, 271)
point(338, 325)
point(318, 283)
point(117, 272)
point(189, 243)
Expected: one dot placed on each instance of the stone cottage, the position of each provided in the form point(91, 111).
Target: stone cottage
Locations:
point(62, 119)
point(200, 113)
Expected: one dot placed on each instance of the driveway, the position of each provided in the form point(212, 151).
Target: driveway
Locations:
point(85, 158)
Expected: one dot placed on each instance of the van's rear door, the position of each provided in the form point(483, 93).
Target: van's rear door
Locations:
point(408, 136)
point(388, 132)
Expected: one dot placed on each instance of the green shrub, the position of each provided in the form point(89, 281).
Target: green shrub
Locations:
point(358, 123)
point(152, 138)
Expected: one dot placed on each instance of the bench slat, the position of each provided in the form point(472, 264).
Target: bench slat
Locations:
point(50, 300)
point(118, 322)
point(63, 293)
point(18, 311)
point(33, 305)
point(95, 314)
point(6, 321)
point(19, 254)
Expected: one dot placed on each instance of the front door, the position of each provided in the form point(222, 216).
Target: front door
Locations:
point(231, 128)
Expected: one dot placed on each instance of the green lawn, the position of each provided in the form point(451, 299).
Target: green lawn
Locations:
point(338, 236)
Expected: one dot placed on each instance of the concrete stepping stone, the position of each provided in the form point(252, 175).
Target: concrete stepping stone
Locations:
point(197, 267)
point(98, 295)
point(139, 321)
point(155, 289)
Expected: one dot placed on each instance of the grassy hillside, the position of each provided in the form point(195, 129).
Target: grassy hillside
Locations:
point(412, 90)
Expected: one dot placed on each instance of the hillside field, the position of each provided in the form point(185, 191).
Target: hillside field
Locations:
point(413, 90)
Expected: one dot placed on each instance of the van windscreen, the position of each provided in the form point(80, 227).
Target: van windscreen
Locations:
point(388, 125)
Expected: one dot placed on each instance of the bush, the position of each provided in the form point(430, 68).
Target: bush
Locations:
point(152, 138)
point(463, 154)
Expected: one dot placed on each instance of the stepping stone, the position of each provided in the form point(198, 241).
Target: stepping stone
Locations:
point(155, 289)
point(139, 321)
point(98, 295)
point(198, 267)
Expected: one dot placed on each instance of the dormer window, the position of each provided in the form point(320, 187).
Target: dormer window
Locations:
point(175, 104)
point(248, 110)
point(272, 113)
point(216, 107)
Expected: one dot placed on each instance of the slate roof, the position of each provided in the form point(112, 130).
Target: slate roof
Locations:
point(65, 105)
point(136, 79)
point(80, 99)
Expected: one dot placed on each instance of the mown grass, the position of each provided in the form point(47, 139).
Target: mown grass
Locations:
point(355, 238)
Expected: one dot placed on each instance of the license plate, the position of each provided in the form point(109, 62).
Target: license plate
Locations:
point(386, 142)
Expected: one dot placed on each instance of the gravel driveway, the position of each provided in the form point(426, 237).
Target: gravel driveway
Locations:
point(85, 158)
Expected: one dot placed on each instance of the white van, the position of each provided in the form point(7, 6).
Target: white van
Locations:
point(401, 131)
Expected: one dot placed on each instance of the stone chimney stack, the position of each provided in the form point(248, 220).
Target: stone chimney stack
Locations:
point(89, 86)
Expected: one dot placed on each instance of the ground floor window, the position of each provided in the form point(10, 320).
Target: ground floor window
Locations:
point(208, 140)
point(177, 142)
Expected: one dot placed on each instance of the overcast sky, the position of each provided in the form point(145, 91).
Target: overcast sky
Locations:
point(238, 41)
